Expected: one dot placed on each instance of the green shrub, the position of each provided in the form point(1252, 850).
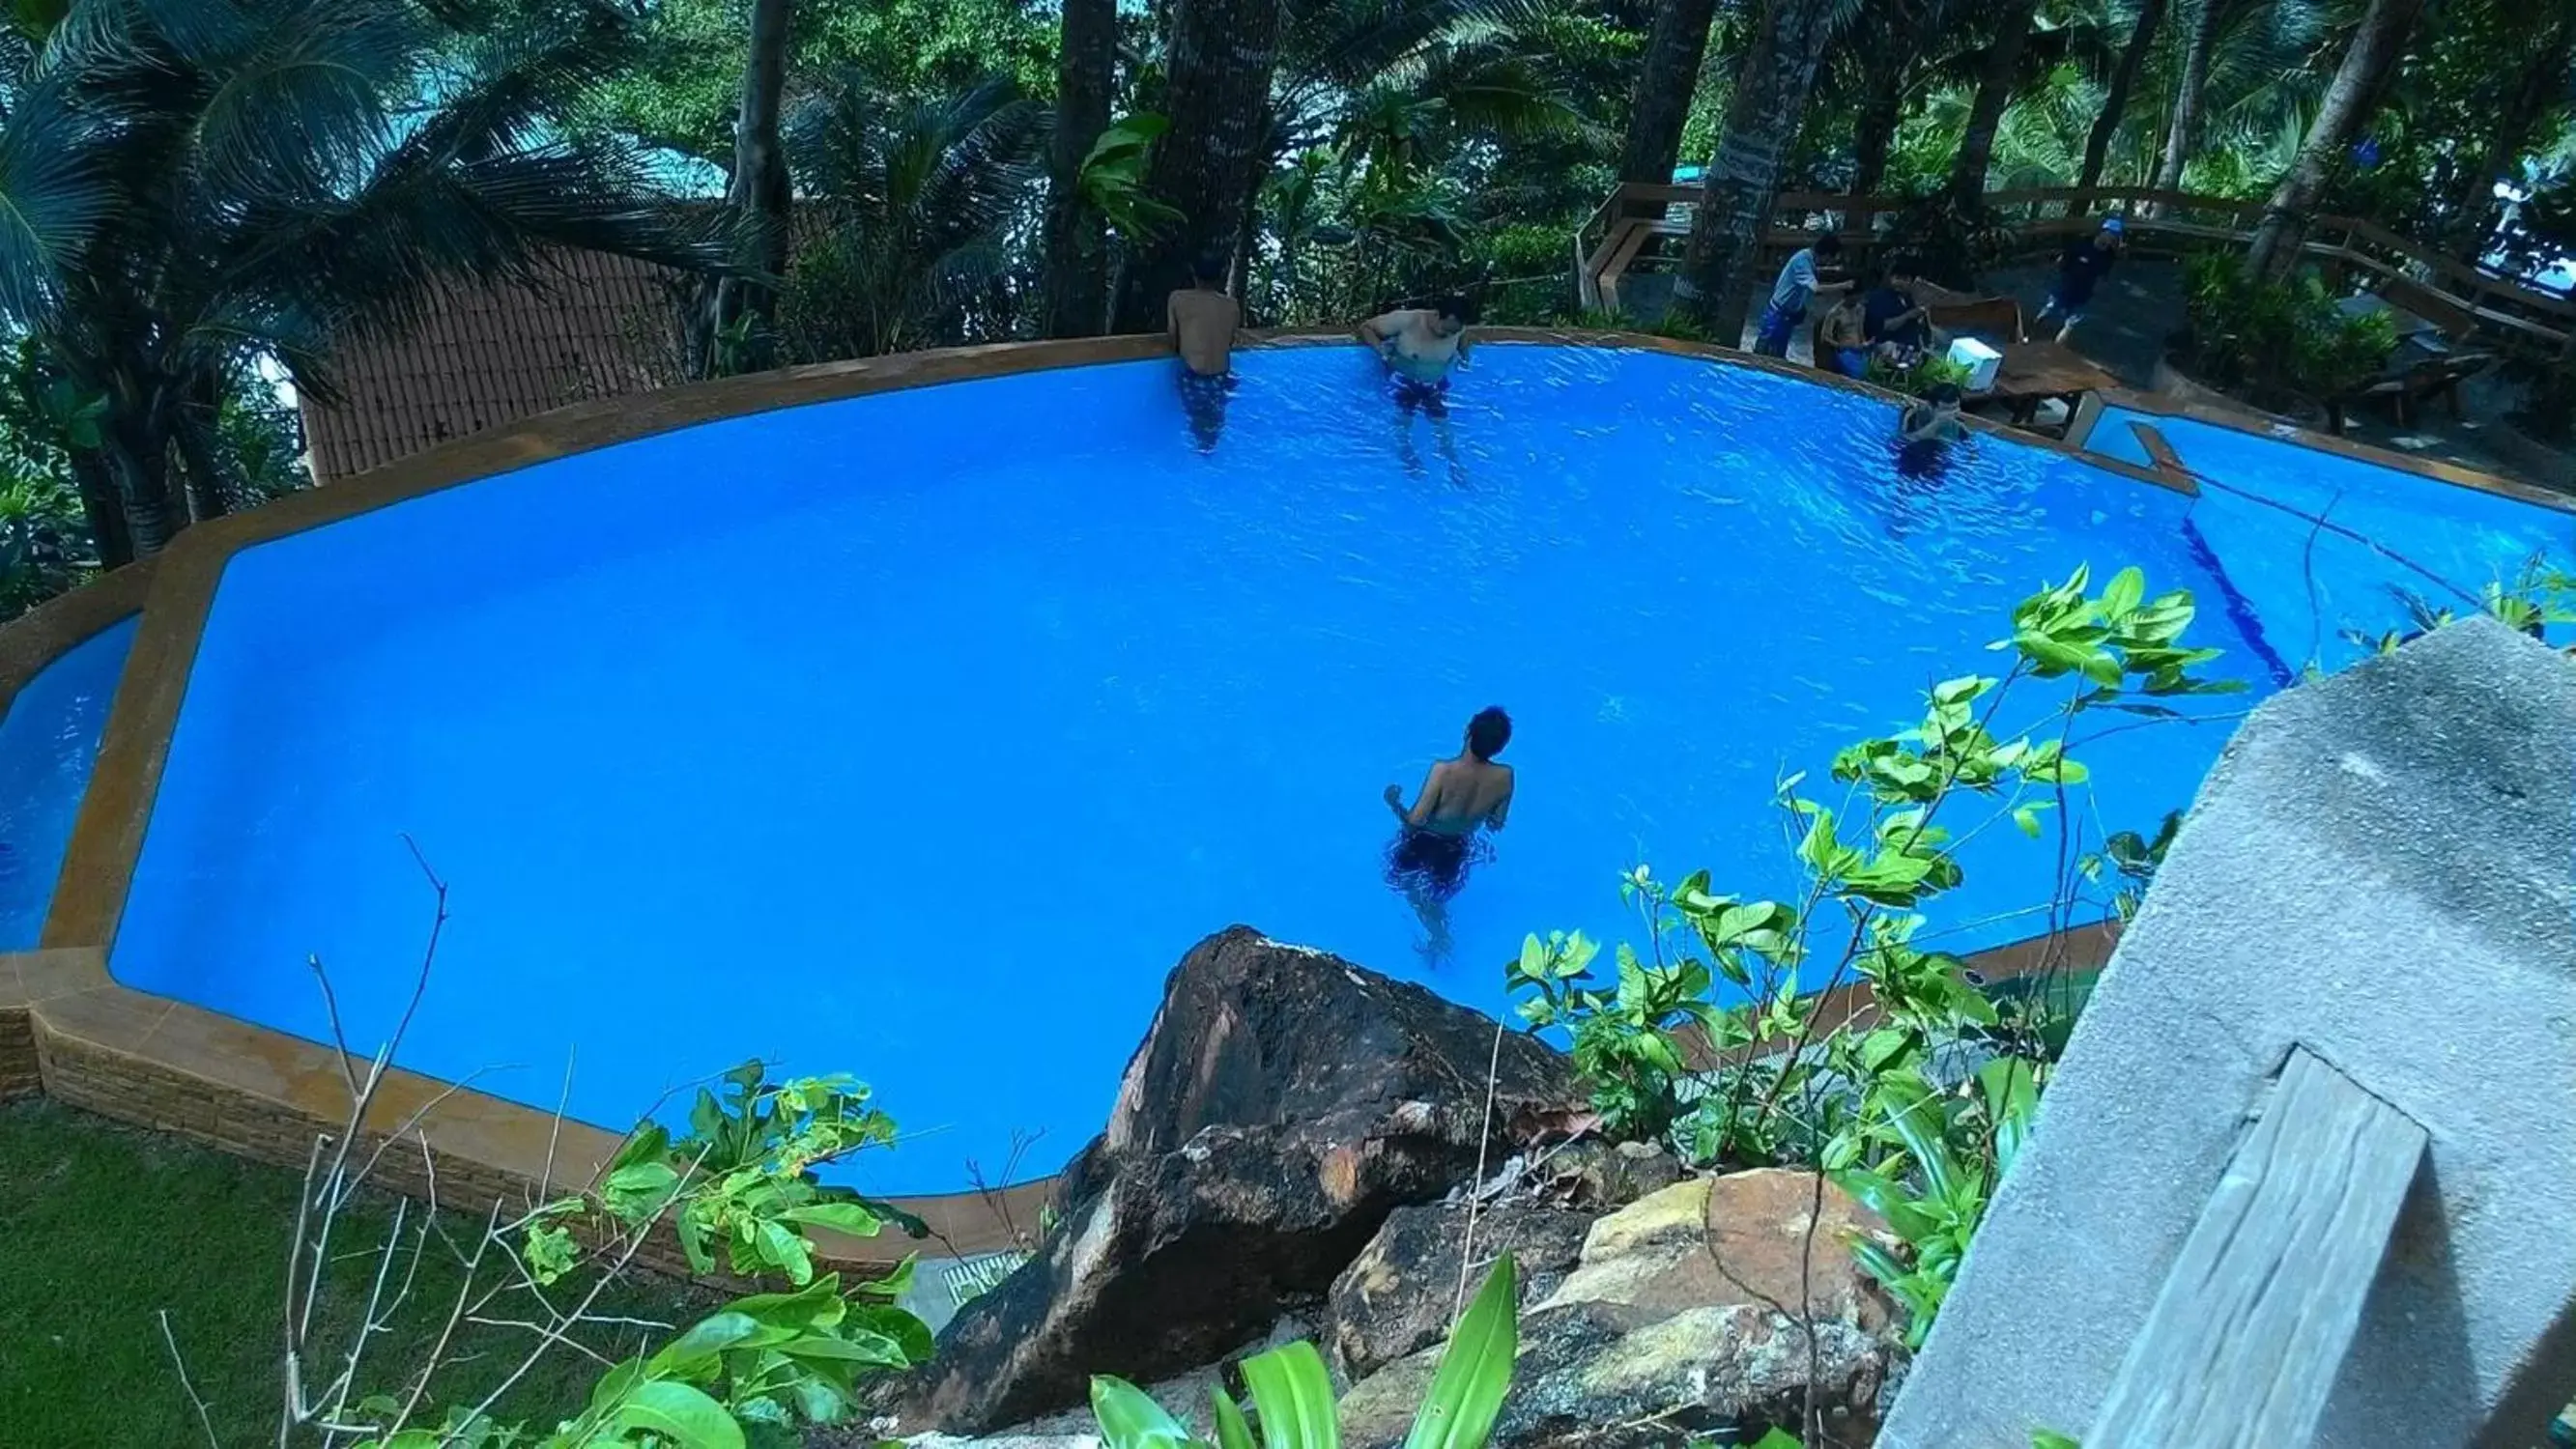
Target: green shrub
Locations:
point(1293, 1394)
point(1861, 1099)
point(1928, 372)
point(2276, 344)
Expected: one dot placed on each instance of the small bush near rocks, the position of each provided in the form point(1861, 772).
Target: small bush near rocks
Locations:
point(1917, 1105)
point(1293, 1393)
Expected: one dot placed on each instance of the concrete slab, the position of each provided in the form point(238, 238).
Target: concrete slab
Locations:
point(2381, 869)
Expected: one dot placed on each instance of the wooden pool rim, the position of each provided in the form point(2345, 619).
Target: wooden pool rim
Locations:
point(69, 1029)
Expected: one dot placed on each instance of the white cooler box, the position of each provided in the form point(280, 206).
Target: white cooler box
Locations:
point(1980, 360)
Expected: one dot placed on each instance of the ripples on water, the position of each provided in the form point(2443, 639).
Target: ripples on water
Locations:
point(918, 736)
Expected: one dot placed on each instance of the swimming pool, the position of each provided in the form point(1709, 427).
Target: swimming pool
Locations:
point(2426, 539)
point(917, 735)
point(48, 742)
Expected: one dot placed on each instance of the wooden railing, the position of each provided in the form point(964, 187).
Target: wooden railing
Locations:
point(1625, 234)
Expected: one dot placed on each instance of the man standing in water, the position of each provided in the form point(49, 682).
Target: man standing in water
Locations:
point(1419, 346)
point(1439, 839)
point(1203, 321)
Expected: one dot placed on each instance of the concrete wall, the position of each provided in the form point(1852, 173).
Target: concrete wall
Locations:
point(2382, 868)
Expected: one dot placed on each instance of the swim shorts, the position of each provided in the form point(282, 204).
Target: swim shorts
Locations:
point(1431, 861)
point(1778, 325)
point(1431, 397)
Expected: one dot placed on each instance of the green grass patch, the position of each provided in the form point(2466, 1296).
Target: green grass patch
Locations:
point(104, 1226)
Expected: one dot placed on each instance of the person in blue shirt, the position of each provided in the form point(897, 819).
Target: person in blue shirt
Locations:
point(1797, 286)
point(2080, 269)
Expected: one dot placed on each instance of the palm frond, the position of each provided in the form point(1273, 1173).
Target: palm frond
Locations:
point(54, 197)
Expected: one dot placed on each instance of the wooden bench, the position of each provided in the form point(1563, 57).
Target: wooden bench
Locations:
point(2402, 389)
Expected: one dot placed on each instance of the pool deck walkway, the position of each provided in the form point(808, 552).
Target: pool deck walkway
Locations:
point(2124, 332)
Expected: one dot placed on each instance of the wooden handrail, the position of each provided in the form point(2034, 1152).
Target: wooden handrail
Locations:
point(2478, 297)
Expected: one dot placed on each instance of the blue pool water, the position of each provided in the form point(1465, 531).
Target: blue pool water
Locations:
point(918, 735)
point(2323, 585)
point(48, 741)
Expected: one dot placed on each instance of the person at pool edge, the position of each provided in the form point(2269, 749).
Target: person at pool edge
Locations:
point(1798, 285)
point(1203, 322)
point(1438, 835)
point(1420, 346)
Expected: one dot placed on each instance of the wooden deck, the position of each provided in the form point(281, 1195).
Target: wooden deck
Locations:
point(1623, 234)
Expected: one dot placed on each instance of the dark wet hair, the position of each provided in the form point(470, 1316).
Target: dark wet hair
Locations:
point(1942, 392)
point(1488, 732)
point(1464, 309)
point(1211, 267)
point(1829, 245)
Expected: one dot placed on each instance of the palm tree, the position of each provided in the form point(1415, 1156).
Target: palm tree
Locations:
point(1216, 94)
point(2367, 57)
point(916, 200)
point(2211, 21)
point(1394, 93)
point(1763, 112)
point(1077, 254)
point(189, 185)
point(1667, 80)
point(2115, 103)
point(1996, 81)
point(759, 195)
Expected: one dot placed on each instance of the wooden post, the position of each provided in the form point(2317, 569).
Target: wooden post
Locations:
point(2244, 1342)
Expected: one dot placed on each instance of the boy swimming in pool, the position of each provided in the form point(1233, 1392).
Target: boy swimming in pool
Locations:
point(1439, 836)
point(1420, 346)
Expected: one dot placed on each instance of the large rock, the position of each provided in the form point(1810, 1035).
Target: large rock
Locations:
point(1740, 1239)
point(1399, 1295)
point(1282, 1105)
point(1681, 1320)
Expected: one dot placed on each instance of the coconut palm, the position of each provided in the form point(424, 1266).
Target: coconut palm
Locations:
point(189, 185)
point(1763, 113)
point(912, 204)
point(2367, 56)
point(2115, 99)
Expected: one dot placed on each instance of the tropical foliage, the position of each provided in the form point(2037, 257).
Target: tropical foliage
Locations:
point(2277, 344)
point(1709, 1036)
point(1293, 1399)
point(206, 196)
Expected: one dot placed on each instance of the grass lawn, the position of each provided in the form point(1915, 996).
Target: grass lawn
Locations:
point(102, 1226)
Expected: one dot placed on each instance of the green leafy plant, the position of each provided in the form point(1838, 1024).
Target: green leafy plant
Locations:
point(1864, 1095)
point(2276, 344)
point(1112, 178)
point(1931, 1193)
point(1292, 1394)
point(755, 1372)
point(1918, 379)
point(2540, 596)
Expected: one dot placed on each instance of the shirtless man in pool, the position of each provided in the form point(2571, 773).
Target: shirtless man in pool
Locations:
point(1439, 836)
point(1420, 346)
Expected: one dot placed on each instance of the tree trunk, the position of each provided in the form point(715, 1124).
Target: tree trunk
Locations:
point(2115, 102)
point(1077, 245)
point(2349, 101)
point(1217, 96)
point(207, 489)
point(1994, 92)
point(759, 193)
point(1874, 132)
point(2543, 81)
point(1723, 263)
point(2182, 130)
point(1667, 81)
point(105, 508)
point(139, 460)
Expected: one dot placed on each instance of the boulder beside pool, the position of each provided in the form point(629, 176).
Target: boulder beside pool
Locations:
point(1282, 1105)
